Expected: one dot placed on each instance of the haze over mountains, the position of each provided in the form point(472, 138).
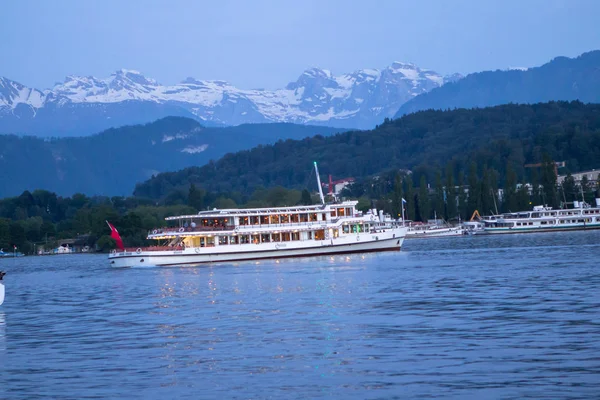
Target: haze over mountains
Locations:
point(85, 105)
point(112, 162)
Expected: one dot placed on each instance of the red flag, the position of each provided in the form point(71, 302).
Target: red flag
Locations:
point(114, 233)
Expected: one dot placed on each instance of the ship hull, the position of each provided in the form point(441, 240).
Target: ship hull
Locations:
point(582, 227)
point(196, 256)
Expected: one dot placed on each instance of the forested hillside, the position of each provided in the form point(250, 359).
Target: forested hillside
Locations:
point(112, 162)
point(424, 142)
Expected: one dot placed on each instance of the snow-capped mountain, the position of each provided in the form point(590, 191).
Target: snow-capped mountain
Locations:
point(82, 105)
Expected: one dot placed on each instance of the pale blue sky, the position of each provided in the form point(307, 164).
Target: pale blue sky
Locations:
point(267, 43)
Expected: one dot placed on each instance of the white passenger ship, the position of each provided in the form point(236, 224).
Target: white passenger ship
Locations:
point(259, 233)
point(545, 219)
point(249, 234)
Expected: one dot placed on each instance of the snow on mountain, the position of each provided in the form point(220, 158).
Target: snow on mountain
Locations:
point(13, 93)
point(356, 100)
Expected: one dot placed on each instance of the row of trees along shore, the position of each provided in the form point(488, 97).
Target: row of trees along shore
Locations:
point(42, 218)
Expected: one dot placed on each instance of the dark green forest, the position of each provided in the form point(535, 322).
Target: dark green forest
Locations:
point(495, 139)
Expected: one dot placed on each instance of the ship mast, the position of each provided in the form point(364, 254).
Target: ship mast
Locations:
point(319, 183)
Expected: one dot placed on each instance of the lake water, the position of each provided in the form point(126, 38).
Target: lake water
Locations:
point(514, 316)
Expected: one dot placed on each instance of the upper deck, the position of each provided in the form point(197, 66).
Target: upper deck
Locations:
point(348, 207)
point(258, 219)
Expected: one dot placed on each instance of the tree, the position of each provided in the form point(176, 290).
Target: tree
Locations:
point(474, 200)
point(410, 199)
point(18, 237)
point(463, 206)
point(106, 243)
point(486, 193)
point(195, 197)
point(439, 204)
point(305, 198)
point(523, 199)
point(224, 203)
point(451, 200)
point(424, 205)
point(569, 190)
point(4, 233)
point(397, 196)
point(510, 190)
point(549, 181)
point(584, 187)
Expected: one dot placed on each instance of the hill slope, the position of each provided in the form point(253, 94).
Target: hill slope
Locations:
point(492, 136)
point(561, 79)
point(112, 162)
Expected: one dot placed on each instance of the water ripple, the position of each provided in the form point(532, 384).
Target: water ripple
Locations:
point(475, 317)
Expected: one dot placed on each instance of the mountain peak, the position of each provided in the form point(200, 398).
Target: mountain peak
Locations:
point(317, 72)
point(133, 76)
point(403, 65)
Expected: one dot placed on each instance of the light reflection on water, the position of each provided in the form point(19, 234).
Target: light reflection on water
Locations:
point(475, 317)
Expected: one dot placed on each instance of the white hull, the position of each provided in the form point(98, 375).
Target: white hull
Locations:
point(537, 229)
point(1, 293)
point(391, 239)
point(435, 233)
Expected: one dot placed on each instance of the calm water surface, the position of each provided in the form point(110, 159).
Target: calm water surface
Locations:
point(513, 316)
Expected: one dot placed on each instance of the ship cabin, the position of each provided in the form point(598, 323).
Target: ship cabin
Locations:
point(263, 225)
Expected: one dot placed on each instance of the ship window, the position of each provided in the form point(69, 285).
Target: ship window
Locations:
point(274, 219)
point(285, 237)
point(336, 233)
point(210, 241)
point(303, 217)
point(223, 240)
point(295, 218)
point(255, 239)
point(313, 217)
point(264, 220)
point(234, 240)
point(348, 212)
point(265, 237)
point(244, 239)
point(346, 229)
point(276, 237)
point(295, 235)
point(333, 214)
point(254, 220)
point(341, 212)
point(543, 222)
point(285, 218)
point(309, 235)
point(320, 234)
point(243, 220)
